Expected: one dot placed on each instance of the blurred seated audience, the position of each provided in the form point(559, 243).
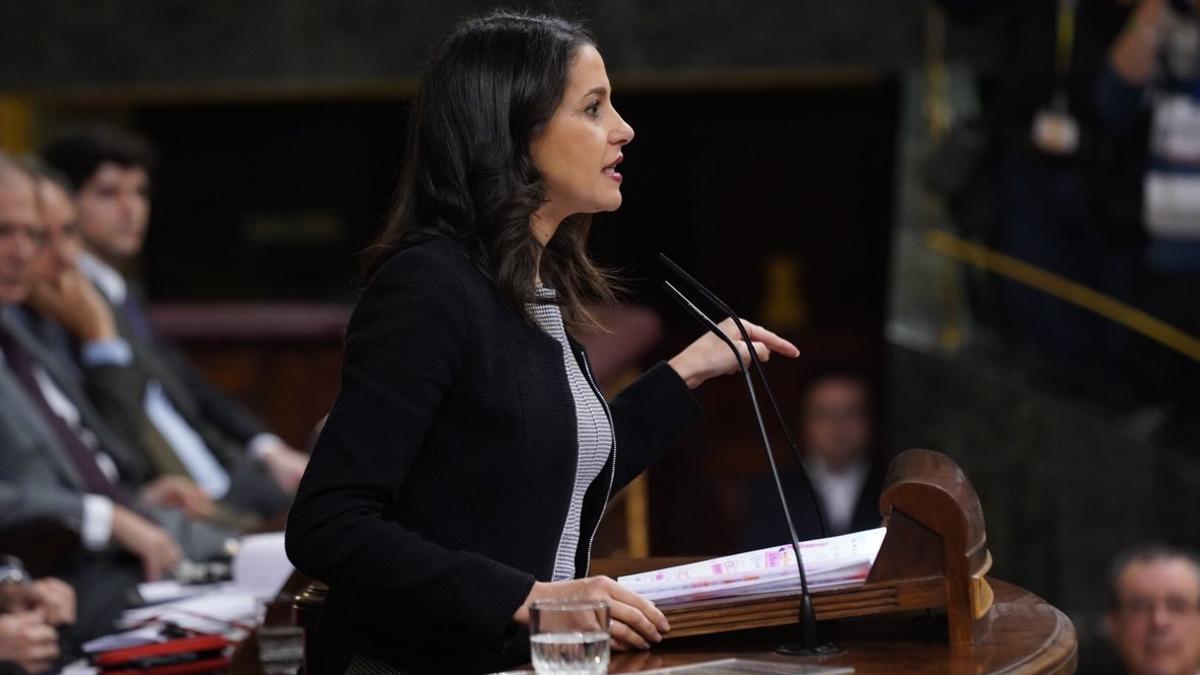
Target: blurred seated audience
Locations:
point(59, 460)
point(62, 244)
point(1154, 612)
point(221, 446)
point(836, 435)
point(30, 611)
point(72, 319)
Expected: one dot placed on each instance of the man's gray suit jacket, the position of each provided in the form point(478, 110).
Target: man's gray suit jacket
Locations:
point(37, 476)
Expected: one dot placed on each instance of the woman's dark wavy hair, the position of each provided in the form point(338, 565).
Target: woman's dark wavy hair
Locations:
point(488, 90)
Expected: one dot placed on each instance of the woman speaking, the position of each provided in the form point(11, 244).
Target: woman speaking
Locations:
point(468, 459)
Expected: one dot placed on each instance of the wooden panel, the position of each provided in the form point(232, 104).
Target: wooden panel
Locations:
point(939, 520)
point(1024, 635)
point(282, 360)
point(777, 610)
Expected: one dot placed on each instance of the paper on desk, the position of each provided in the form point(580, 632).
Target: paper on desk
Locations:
point(154, 592)
point(261, 565)
point(133, 638)
point(259, 570)
point(832, 562)
point(212, 612)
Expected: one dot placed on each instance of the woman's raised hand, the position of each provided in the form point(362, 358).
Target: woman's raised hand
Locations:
point(709, 356)
point(636, 622)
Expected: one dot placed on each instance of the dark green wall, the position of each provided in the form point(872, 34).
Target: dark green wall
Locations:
point(70, 43)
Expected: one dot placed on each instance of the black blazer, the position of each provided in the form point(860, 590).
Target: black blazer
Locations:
point(438, 488)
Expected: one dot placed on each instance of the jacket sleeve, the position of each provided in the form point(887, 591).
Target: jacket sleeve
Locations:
point(649, 418)
point(21, 502)
point(28, 488)
point(116, 392)
point(405, 347)
point(212, 404)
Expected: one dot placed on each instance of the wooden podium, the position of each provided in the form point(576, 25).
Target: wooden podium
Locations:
point(932, 563)
point(934, 558)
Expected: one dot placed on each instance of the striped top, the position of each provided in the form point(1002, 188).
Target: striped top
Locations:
point(592, 427)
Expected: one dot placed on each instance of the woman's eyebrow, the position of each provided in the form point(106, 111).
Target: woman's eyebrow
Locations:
point(600, 90)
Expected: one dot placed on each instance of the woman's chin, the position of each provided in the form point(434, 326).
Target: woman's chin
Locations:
point(610, 204)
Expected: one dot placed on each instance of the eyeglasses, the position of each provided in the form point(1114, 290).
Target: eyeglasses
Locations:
point(1176, 606)
point(36, 235)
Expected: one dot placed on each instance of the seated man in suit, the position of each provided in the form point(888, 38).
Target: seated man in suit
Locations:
point(72, 318)
point(59, 461)
point(1154, 611)
point(836, 435)
point(223, 446)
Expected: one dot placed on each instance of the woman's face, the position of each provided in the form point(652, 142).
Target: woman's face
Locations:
point(578, 151)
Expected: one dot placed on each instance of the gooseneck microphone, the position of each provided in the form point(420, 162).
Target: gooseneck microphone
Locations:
point(811, 642)
point(728, 311)
point(715, 330)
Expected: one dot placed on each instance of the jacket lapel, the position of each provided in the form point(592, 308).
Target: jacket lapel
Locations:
point(26, 423)
point(133, 467)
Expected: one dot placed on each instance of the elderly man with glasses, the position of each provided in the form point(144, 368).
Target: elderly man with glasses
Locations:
point(1154, 617)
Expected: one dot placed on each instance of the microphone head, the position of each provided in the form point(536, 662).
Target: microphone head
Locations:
point(671, 265)
point(697, 286)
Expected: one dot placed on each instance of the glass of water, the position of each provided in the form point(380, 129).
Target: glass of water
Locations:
point(569, 636)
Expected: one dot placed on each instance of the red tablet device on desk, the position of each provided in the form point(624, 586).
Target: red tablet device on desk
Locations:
point(196, 654)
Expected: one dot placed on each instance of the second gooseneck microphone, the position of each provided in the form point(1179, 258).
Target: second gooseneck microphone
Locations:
point(811, 642)
point(728, 311)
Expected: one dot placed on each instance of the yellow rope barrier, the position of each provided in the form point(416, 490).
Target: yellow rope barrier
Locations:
point(1060, 287)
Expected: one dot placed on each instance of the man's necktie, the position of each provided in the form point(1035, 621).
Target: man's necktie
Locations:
point(20, 363)
point(138, 322)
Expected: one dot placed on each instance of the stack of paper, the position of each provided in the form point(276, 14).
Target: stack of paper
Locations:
point(834, 562)
point(259, 571)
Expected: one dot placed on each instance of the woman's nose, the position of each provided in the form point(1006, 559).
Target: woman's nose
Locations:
point(623, 133)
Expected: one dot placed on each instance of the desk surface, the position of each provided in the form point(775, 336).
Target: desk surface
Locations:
point(1022, 634)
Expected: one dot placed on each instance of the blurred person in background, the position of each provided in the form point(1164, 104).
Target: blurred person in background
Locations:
point(1154, 612)
point(76, 323)
point(226, 450)
point(1153, 72)
point(837, 435)
point(58, 459)
point(1054, 189)
point(62, 246)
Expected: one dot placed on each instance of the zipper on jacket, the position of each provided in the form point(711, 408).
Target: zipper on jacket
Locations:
point(612, 474)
